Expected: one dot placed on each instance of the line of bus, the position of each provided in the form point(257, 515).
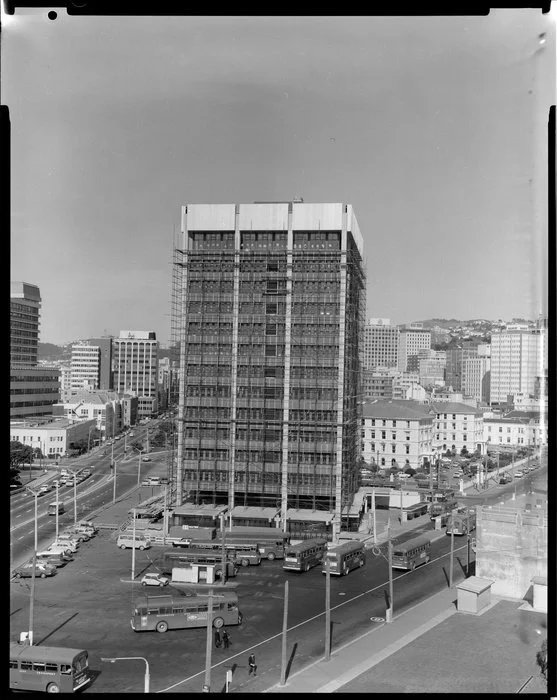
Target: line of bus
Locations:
point(165, 612)
point(344, 557)
point(269, 540)
point(304, 555)
point(242, 553)
point(48, 669)
point(412, 553)
point(173, 558)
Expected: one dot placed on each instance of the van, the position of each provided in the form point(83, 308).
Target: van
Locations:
point(126, 540)
point(55, 558)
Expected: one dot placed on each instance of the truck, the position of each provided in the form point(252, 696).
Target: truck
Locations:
point(461, 523)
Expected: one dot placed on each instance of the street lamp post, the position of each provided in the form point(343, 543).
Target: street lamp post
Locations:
point(147, 678)
point(32, 598)
point(57, 505)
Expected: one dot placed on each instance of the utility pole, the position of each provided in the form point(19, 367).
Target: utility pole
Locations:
point(451, 561)
point(74, 498)
point(327, 608)
point(389, 616)
point(138, 468)
point(165, 516)
point(401, 508)
point(209, 644)
point(374, 518)
point(57, 507)
point(32, 600)
point(223, 553)
point(468, 542)
point(133, 547)
point(284, 631)
point(114, 485)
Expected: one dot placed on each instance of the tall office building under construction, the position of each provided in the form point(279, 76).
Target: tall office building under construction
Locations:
point(268, 311)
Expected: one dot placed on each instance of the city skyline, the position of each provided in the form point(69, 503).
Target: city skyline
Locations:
point(400, 117)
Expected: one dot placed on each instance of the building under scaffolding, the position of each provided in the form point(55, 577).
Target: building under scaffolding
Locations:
point(267, 312)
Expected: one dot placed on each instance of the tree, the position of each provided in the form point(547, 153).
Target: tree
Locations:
point(410, 470)
point(79, 446)
point(464, 451)
point(19, 454)
point(541, 659)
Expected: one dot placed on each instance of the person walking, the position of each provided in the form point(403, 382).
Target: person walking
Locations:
point(252, 665)
point(217, 639)
point(225, 639)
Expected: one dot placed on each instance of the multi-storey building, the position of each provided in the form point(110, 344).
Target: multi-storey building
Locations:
point(103, 406)
point(380, 344)
point(33, 389)
point(377, 383)
point(458, 425)
point(135, 356)
point(410, 341)
point(85, 365)
point(54, 438)
point(476, 374)
point(396, 433)
point(516, 360)
point(516, 429)
point(269, 307)
point(431, 367)
point(456, 355)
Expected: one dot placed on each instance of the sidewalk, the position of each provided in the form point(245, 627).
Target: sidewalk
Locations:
point(361, 654)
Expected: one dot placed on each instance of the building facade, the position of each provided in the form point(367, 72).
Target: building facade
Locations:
point(396, 433)
point(458, 425)
point(270, 310)
point(456, 355)
point(102, 406)
point(516, 360)
point(431, 367)
point(380, 344)
point(377, 384)
point(33, 391)
point(85, 366)
point(477, 374)
point(53, 438)
point(411, 340)
point(516, 429)
point(135, 356)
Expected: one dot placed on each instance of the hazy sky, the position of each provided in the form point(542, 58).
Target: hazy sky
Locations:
point(433, 128)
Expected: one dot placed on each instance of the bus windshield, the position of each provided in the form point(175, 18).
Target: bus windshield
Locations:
point(48, 669)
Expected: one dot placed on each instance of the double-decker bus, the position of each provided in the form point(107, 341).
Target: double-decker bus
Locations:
point(165, 612)
point(183, 557)
point(408, 555)
point(304, 555)
point(344, 557)
point(48, 669)
point(242, 553)
point(55, 507)
point(269, 540)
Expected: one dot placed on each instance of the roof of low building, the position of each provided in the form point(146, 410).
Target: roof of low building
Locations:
point(454, 407)
point(391, 408)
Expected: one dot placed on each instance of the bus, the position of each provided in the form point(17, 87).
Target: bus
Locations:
point(305, 555)
point(344, 557)
point(165, 612)
point(410, 554)
point(461, 523)
point(241, 553)
point(416, 510)
point(48, 669)
point(269, 540)
point(176, 558)
point(442, 508)
point(57, 506)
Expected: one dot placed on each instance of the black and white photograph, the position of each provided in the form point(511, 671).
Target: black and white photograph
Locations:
point(279, 351)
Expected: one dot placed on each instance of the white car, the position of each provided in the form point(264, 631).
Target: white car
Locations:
point(145, 459)
point(155, 580)
point(518, 474)
point(67, 541)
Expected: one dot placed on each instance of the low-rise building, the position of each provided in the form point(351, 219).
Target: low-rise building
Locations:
point(105, 407)
point(458, 425)
point(396, 433)
point(516, 429)
point(55, 437)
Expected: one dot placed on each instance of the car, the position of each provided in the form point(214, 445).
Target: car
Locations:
point(42, 570)
point(518, 474)
point(71, 544)
point(89, 524)
point(152, 481)
point(81, 535)
point(45, 488)
point(154, 579)
point(132, 434)
point(145, 459)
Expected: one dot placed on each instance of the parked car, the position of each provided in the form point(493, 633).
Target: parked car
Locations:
point(42, 570)
point(45, 488)
point(126, 541)
point(55, 559)
point(132, 434)
point(518, 474)
point(145, 459)
point(88, 523)
point(70, 544)
point(152, 481)
point(154, 579)
point(79, 535)
point(60, 549)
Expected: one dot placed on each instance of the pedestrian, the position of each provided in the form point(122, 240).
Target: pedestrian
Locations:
point(225, 639)
point(217, 639)
point(252, 665)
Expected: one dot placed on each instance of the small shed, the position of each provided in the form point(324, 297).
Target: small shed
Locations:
point(474, 594)
point(539, 602)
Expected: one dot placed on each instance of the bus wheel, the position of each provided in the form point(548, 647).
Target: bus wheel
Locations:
point(245, 562)
point(345, 570)
point(413, 566)
point(218, 622)
point(52, 688)
point(361, 562)
point(427, 560)
point(43, 575)
point(271, 556)
point(162, 626)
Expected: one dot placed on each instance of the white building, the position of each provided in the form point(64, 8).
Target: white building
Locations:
point(431, 367)
point(396, 432)
point(516, 360)
point(85, 366)
point(476, 375)
point(54, 438)
point(458, 425)
point(410, 341)
point(380, 344)
point(104, 407)
point(516, 429)
point(135, 356)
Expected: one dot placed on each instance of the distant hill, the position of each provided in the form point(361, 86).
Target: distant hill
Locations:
point(48, 350)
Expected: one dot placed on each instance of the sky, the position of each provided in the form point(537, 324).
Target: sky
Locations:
point(434, 129)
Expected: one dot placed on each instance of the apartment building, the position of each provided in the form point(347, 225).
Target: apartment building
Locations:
point(517, 359)
point(456, 355)
point(135, 357)
point(431, 367)
point(380, 344)
point(269, 304)
point(396, 433)
point(477, 375)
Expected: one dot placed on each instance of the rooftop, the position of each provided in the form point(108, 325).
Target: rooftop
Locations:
point(389, 408)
